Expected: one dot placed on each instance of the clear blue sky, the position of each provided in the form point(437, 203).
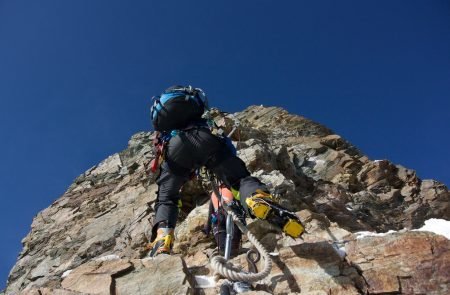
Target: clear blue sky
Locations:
point(76, 79)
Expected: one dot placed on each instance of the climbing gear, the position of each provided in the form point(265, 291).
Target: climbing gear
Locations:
point(227, 236)
point(228, 240)
point(159, 144)
point(163, 242)
point(177, 107)
point(258, 205)
point(238, 287)
point(212, 116)
point(229, 287)
point(263, 206)
point(161, 139)
point(220, 265)
point(252, 261)
point(229, 228)
point(225, 193)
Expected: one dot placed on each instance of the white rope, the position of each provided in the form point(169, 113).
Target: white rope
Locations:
point(220, 265)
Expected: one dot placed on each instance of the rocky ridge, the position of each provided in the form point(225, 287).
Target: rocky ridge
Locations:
point(92, 239)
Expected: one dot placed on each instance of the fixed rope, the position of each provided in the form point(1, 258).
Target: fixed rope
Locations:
point(220, 265)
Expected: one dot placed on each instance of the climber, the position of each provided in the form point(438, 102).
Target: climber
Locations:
point(185, 142)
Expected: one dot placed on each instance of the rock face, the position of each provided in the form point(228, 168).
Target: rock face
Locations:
point(410, 263)
point(122, 276)
point(92, 239)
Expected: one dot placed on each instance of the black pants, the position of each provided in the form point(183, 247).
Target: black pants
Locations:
point(190, 150)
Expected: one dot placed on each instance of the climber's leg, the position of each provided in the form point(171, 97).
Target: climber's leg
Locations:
point(254, 195)
point(166, 207)
point(186, 151)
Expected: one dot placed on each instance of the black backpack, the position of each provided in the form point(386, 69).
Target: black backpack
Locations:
point(177, 107)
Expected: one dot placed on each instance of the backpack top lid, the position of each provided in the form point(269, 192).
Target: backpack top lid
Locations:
point(187, 90)
point(176, 106)
point(178, 90)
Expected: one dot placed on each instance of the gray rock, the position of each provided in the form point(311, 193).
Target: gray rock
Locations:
point(257, 156)
point(312, 268)
point(406, 263)
point(50, 291)
point(163, 275)
point(96, 277)
point(336, 190)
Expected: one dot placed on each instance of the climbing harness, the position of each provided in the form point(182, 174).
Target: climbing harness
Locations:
point(159, 143)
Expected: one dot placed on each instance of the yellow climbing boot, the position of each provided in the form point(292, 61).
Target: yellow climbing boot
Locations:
point(259, 204)
point(163, 242)
point(263, 206)
point(293, 228)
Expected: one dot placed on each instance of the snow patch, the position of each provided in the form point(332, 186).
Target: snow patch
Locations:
point(203, 282)
point(434, 225)
point(437, 226)
point(66, 273)
point(316, 160)
point(340, 250)
point(363, 234)
point(108, 258)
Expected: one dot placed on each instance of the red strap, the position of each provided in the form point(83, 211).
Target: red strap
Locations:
point(154, 164)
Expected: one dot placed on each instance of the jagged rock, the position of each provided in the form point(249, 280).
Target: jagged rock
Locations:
point(335, 142)
point(407, 263)
point(193, 194)
point(281, 187)
point(437, 196)
point(189, 233)
point(130, 277)
point(163, 275)
point(319, 228)
point(280, 123)
point(313, 268)
point(111, 215)
point(336, 190)
point(257, 156)
point(111, 165)
point(49, 291)
point(379, 174)
point(96, 277)
point(333, 201)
